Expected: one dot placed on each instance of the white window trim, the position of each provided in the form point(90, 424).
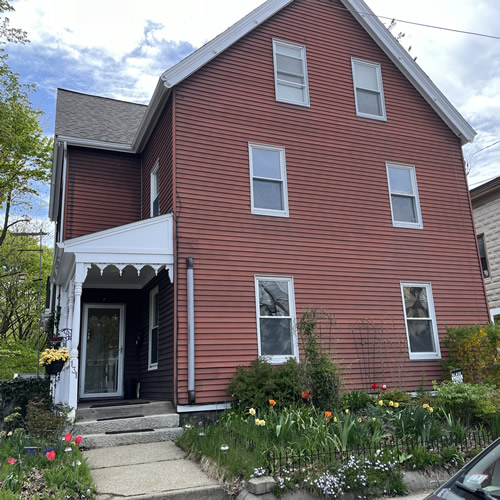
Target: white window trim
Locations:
point(378, 69)
point(412, 225)
point(494, 312)
point(291, 302)
point(267, 211)
point(152, 366)
point(155, 182)
point(302, 48)
point(430, 303)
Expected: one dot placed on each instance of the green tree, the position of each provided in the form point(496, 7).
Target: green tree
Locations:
point(25, 154)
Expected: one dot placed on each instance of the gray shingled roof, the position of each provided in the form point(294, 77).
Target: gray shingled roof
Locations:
point(97, 118)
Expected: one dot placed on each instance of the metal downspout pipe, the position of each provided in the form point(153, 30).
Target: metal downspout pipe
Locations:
point(190, 313)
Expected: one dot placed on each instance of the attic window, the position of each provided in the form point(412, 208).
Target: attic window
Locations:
point(290, 73)
point(368, 91)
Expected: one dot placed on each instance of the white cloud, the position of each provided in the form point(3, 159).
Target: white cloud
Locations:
point(119, 48)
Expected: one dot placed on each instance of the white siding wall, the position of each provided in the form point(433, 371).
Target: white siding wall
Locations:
point(487, 219)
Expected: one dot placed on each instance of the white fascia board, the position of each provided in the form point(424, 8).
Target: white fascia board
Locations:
point(405, 63)
point(221, 42)
point(90, 143)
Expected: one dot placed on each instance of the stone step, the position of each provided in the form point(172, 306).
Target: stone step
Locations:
point(93, 441)
point(87, 412)
point(87, 427)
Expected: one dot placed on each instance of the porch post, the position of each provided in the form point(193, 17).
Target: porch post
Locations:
point(75, 336)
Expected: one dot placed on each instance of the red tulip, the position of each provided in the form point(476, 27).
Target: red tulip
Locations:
point(78, 440)
point(12, 460)
point(383, 387)
point(374, 386)
point(68, 437)
point(50, 455)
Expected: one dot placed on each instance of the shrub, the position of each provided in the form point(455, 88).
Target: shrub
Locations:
point(255, 385)
point(18, 392)
point(467, 400)
point(474, 349)
point(319, 373)
point(356, 400)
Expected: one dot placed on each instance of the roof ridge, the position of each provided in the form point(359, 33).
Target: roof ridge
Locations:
point(102, 97)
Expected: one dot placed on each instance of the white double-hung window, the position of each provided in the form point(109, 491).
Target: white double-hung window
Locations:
point(275, 302)
point(290, 73)
point(405, 205)
point(268, 180)
point(155, 190)
point(154, 320)
point(420, 318)
point(368, 91)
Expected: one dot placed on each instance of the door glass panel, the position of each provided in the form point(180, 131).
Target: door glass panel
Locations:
point(102, 351)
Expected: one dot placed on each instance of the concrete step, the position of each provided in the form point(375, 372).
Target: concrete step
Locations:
point(167, 420)
point(93, 441)
point(87, 412)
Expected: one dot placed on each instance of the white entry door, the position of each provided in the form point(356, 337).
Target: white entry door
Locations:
point(102, 350)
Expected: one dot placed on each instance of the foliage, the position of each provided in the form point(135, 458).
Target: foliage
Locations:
point(7, 33)
point(467, 400)
point(18, 392)
point(17, 357)
point(257, 384)
point(356, 400)
point(20, 286)
point(47, 470)
point(398, 396)
point(474, 349)
point(320, 375)
point(43, 423)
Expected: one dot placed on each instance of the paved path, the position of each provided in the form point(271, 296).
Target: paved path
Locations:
point(149, 471)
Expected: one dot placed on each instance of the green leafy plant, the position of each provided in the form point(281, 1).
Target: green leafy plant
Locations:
point(474, 349)
point(319, 373)
point(255, 385)
point(464, 400)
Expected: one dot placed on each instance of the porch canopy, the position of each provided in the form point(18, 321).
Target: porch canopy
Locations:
point(126, 256)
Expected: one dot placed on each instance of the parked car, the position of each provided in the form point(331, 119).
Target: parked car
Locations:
point(480, 478)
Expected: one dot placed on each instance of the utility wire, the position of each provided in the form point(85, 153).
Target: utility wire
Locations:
point(496, 37)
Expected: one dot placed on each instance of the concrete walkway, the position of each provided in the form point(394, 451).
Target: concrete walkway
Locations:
point(150, 471)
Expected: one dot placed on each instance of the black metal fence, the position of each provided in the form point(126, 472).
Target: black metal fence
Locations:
point(293, 460)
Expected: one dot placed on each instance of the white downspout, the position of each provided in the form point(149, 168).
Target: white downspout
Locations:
point(190, 313)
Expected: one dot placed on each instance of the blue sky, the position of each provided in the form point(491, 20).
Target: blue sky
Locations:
point(119, 48)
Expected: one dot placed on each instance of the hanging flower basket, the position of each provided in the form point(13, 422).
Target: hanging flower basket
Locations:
point(53, 360)
point(55, 367)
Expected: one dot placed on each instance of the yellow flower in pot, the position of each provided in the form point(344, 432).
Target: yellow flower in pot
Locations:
point(54, 359)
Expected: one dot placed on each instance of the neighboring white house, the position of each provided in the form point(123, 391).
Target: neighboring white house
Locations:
point(486, 207)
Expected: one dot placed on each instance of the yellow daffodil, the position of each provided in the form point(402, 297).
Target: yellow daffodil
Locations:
point(347, 411)
point(257, 421)
point(374, 419)
point(335, 419)
point(391, 403)
point(360, 420)
point(396, 405)
point(430, 409)
point(251, 411)
point(425, 405)
point(381, 403)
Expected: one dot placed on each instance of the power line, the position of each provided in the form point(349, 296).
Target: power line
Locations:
point(482, 149)
point(419, 24)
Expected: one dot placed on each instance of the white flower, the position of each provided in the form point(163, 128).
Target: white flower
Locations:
point(68, 449)
point(224, 447)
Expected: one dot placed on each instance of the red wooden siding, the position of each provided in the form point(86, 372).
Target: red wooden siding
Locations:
point(338, 243)
point(103, 191)
point(159, 148)
point(158, 384)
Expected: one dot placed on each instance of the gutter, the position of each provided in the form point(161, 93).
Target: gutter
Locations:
point(190, 312)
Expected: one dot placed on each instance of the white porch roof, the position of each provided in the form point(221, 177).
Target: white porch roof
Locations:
point(121, 257)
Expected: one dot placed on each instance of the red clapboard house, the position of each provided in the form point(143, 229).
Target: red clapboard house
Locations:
point(299, 160)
